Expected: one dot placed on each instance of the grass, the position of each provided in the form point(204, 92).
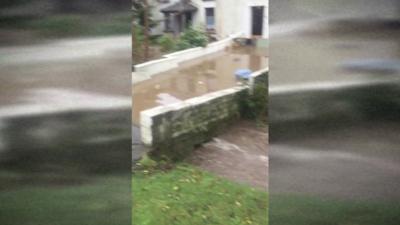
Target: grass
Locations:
point(104, 201)
point(301, 210)
point(186, 195)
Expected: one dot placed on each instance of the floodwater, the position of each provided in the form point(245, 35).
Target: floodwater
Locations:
point(196, 77)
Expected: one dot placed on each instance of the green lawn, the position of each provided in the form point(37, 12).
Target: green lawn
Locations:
point(188, 196)
point(301, 210)
point(100, 201)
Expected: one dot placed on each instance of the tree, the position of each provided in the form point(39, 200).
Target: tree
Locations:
point(142, 23)
point(138, 7)
point(146, 29)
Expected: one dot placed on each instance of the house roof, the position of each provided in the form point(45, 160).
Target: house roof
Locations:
point(179, 7)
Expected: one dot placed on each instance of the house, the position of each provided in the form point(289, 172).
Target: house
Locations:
point(219, 17)
point(247, 16)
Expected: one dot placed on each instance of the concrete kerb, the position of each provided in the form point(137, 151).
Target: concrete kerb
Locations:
point(170, 61)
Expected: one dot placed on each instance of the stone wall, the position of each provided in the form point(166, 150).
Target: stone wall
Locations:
point(175, 129)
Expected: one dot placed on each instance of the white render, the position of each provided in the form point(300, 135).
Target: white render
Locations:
point(231, 16)
point(235, 16)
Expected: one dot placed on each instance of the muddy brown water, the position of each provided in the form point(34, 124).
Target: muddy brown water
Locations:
point(207, 74)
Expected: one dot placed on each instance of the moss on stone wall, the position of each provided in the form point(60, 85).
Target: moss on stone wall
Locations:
point(176, 133)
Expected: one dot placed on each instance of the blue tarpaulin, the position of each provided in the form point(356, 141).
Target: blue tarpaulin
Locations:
point(243, 73)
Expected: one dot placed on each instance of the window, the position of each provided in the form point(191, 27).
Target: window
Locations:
point(210, 18)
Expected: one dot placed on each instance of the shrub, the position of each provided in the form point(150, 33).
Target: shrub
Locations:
point(255, 106)
point(191, 38)
point(195, 37)
point(147, 163)
point(182, 45)
point(167, 43)
point(260, 102)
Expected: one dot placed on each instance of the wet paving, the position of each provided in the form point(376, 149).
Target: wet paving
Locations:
point(239, 154)
point(196, 77)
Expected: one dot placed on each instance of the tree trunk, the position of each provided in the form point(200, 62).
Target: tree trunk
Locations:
point(134, 52)
point(146, 30)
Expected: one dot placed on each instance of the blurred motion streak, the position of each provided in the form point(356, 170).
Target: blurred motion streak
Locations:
point(65, 106)
point(334, 112)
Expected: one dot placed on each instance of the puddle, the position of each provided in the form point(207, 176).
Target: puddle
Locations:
point(196, 77)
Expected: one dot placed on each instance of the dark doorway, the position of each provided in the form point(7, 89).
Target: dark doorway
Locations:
point(189, 19)
point(257, 20)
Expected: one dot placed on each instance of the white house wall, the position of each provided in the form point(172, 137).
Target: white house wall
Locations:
point(233, 16)
point(200, 17)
